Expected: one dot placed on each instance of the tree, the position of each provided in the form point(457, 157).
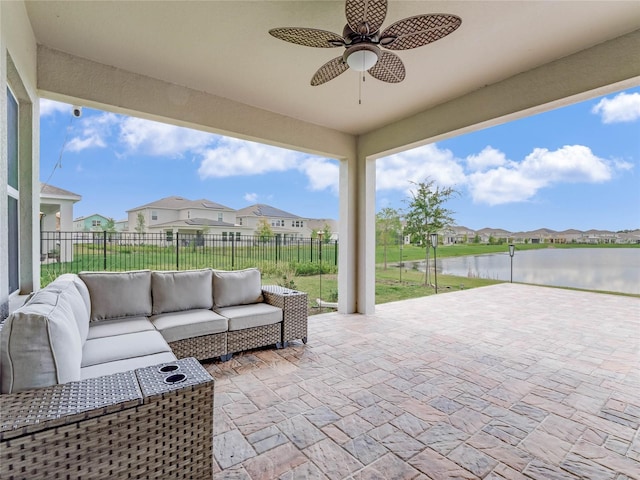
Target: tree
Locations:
point(388, 227)
point(140, 225)
point(264, 231)
point(326, 233)
point(110, 228)
point(426, 215)
point(110, 225)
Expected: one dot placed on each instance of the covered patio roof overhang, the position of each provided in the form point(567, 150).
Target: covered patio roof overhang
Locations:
point(212, 66)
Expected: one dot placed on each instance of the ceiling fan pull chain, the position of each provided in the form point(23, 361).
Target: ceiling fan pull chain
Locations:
point(360, 88)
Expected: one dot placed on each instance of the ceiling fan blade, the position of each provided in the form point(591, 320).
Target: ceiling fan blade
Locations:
point(371, 11)
point(309, 37)
point(389, 68)
point(417, 31)
point(329, 71)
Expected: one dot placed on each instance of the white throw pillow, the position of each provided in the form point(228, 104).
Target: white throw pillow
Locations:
point(183, 290)
point(118, 294)
point(239, 287)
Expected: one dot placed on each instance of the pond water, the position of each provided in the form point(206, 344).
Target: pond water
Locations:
point(609, 269)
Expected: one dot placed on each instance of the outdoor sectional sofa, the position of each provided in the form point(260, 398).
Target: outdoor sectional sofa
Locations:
point(98, 375)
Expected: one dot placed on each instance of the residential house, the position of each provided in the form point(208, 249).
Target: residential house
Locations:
point(284, 224)
point(457, 234)
point(488, 235)
point(83, 53)
point(122, 225)
point(632, 237)
point(319, 225)
point(90, 223)
point(178, 215)
point(599, 236)
point(541, 235)
point(569, 236)
point(56, 215)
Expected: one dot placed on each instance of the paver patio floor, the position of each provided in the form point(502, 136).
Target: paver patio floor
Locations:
point(502, 382)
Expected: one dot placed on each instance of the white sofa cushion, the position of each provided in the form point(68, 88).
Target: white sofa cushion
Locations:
point(40, 344)
point(118, 294)
point(176, 326)
point(248, 316)
point(119, 326)
point(183, 290)
point(130, 345)
point(239, 287)
point(81, 303)
point(118, 366)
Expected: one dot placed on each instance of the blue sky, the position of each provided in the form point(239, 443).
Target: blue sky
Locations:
point(574, 167)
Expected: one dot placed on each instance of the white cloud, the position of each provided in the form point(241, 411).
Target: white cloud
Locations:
point(322, 174)
point(94, 132)
point(232, 157)
point(161, 139)
point(50, 107)
point(251, 197)
point(397, 171)
point(517, 182)
point(624, 107)
point(489, 157)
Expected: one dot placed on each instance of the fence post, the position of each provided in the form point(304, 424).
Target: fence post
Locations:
point(311, 252)
point(104, 249)
point(277, 247)
point(177, 251)
point(335, 252)
point(233, 252)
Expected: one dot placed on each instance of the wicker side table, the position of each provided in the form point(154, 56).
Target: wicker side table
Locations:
point(294, 305)
point(126, 425)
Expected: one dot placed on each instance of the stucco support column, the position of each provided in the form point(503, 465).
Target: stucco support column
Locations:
point(348, 234)
point(356, 259)
point(66, 226)
point(366, 257)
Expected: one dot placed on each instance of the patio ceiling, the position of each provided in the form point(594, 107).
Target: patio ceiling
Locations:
point(223, 48)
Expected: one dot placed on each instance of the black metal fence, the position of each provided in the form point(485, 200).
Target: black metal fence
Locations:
point(73, 252)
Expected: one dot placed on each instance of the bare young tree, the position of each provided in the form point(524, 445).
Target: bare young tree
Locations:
point(426, 214)
point(140, 226)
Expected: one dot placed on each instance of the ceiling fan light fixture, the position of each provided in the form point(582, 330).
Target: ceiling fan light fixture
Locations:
point(361, 57)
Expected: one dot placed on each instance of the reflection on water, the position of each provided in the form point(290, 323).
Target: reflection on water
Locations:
point(610, 269)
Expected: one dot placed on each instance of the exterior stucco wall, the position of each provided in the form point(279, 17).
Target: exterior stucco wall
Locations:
point(18, 70)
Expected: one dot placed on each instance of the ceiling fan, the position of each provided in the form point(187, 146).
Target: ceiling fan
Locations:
point(362, 40)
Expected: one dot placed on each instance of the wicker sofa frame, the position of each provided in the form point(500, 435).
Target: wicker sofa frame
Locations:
point(134, 424)
point(293, 327)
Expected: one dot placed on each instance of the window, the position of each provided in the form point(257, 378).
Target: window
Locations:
point(154, 215)
point(13, 191)
point(220, 217)
point(238, 236)
point(240, 221)
point(169, 236)
point(96, 223)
